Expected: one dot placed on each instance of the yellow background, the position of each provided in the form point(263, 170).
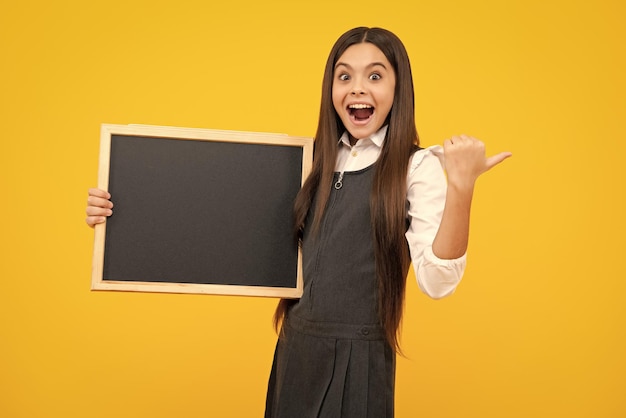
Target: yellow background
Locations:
point(537, 327)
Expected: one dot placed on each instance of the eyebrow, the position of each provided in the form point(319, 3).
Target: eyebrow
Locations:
point(373, 64)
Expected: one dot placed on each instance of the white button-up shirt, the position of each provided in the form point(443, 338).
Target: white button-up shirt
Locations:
point(426, 194)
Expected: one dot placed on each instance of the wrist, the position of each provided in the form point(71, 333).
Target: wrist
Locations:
point(461, 185)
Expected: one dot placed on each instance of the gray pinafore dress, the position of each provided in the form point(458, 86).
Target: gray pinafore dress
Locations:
point(332, 359)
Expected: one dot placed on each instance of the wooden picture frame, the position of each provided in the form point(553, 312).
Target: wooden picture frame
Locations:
point(200, 211)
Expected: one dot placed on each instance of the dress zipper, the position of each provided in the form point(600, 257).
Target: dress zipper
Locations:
point(339, 182)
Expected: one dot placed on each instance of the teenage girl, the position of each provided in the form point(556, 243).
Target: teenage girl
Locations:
point(374, 202)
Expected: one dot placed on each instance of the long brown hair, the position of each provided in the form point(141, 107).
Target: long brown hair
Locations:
point(388, 195)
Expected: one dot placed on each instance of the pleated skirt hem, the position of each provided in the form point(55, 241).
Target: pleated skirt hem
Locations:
point(331, 370)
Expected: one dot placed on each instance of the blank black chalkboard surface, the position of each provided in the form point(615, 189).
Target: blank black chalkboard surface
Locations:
point(200, 211)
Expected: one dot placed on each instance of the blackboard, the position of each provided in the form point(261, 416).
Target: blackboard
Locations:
point(200, 211)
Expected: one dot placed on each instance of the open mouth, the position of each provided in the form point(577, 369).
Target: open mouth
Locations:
point(360, 112)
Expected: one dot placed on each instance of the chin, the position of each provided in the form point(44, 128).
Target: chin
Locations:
point(360, 133)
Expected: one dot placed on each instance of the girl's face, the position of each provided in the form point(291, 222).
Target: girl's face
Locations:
point(363, 89)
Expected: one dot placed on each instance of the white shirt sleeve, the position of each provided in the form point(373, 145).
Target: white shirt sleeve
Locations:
point(426, 194)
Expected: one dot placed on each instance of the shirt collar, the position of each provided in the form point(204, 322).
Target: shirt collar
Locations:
point(377, 138)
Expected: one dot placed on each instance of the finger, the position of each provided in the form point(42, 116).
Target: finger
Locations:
point(98, 211)
point(94, 220)
point(99, 193)
point(465, 141)
point(99, 202)
point(456, 140)
point(497, 159)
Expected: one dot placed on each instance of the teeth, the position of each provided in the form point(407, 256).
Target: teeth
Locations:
point(359, 106)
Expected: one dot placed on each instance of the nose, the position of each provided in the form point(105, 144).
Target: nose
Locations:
point(357, 87)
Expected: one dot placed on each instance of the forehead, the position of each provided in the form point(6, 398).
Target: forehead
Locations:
point(361, 55)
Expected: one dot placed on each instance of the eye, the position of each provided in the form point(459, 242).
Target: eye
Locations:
point(344, 77)
point(375, 76)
